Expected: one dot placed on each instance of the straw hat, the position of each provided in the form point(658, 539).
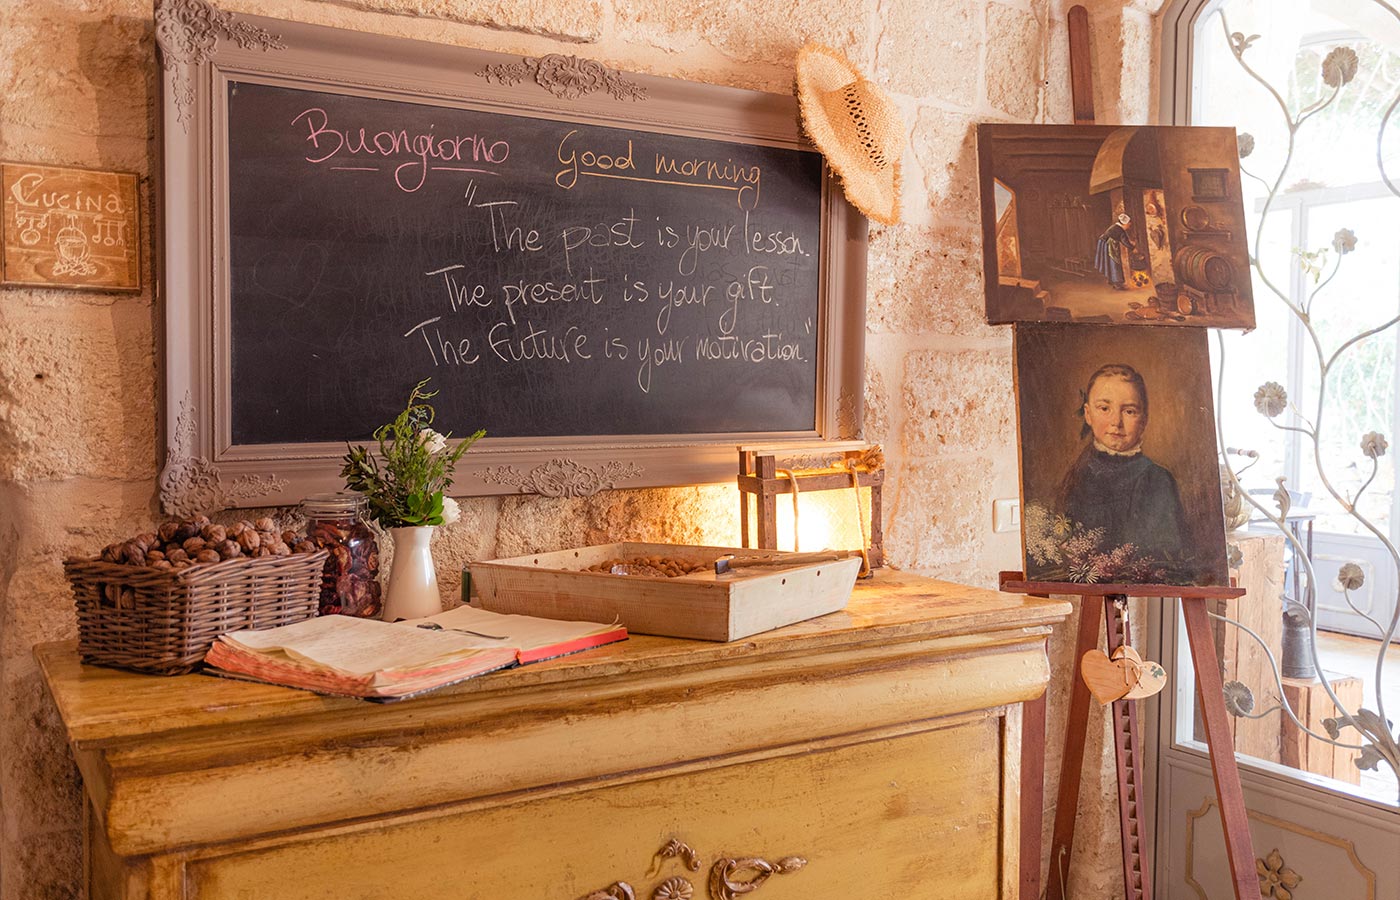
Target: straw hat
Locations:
point(856, 126)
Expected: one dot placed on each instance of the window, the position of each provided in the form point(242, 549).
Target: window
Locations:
point(1318, 143)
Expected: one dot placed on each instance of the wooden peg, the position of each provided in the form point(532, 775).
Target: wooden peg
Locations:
point(1081, 72)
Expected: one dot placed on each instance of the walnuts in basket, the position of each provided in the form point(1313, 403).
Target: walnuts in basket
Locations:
point(198, 541)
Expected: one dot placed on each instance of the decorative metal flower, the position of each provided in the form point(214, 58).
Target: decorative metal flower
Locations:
point(1339, 67)
point(1234, 556)
point(1350, 576)
point(1246, 141)
point(1344, 241)
point(1374, 444)
point(1239, 699)
point(676, 888)
point(1275, 879)
point(1271, 399)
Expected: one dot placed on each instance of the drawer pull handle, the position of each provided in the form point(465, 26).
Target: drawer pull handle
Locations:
point(729, 878)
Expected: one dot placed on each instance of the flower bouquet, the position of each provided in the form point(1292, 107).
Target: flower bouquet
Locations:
point(405, 485)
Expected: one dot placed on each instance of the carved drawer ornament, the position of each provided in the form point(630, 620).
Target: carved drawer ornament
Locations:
point(563, 477)
point(618, 890)
point(188, 32)
point(675, 849)
point(730, 877)
point(674, 888)
point(566, 77)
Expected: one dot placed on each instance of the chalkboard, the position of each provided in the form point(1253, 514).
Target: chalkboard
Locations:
point(552, 278)
point(619, 276)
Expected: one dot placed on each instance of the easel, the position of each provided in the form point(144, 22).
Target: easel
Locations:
point(1137, 869)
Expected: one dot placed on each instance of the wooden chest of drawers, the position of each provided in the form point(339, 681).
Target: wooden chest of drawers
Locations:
point(869, 753)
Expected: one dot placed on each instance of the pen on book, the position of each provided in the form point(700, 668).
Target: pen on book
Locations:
point(433, 626)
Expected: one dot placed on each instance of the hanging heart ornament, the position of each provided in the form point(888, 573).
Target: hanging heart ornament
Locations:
point(1124, 675)
point(1151, 677)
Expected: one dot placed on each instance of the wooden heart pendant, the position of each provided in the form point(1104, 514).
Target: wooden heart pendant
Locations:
point(1151, 677)
point(1108, 679)
point(1123, 676)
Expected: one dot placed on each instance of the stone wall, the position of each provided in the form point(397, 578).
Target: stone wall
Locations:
point(78, 371)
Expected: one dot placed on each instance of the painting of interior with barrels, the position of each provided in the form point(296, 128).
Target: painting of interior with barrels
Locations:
point(1114, 225)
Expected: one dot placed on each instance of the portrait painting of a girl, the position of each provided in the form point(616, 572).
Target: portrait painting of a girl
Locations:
point(1119, 482)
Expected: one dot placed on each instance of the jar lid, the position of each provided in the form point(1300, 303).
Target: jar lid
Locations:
point(337, 504)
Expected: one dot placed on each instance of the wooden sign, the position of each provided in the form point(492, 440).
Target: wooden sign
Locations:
point(70, 228)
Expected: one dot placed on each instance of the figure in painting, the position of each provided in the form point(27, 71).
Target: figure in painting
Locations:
point(1118, 516)
point(1106, 499)
point(1108, 255)
point(1113, 486)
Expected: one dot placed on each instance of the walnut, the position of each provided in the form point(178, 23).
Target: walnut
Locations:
point(290, 538)
point(167, 531)
point(112, 553)
point(214, 534)
point(147, 540)
point(207, 555)
point(177, 555)
point(183, 532)
point(133, 554)
point(265, 524)
point(161, 564)
point(280, 548)
point(194, 545)
point(200, 521)
point(154, 556)
point(249, 540)
point(305, 547)
point(239, 527)
point(228, 549)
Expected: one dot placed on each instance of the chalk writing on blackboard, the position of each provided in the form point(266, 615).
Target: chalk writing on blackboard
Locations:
point(555, 278)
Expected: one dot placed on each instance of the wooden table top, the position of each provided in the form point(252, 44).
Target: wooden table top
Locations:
point(102, 706)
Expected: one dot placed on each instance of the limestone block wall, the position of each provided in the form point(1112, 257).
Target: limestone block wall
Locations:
point(79, 449)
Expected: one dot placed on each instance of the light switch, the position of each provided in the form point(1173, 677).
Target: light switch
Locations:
point(1006, 514)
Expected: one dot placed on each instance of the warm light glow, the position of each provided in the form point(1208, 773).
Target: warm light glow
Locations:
point(826, 519)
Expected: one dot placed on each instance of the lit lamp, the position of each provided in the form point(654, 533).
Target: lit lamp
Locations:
point(833, 503)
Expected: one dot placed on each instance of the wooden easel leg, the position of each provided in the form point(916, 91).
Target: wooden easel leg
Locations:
point(1127, 752)
point(1032, 793)
point(1209, 687)
point(1072, 761)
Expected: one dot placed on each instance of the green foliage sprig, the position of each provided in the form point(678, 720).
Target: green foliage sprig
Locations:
point(405, 482)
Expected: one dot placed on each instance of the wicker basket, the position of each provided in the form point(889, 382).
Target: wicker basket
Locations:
point(163, 622)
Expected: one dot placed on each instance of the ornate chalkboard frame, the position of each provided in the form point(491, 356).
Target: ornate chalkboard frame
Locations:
point(202, 48)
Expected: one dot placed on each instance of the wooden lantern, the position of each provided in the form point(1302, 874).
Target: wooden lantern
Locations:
point(838, 471)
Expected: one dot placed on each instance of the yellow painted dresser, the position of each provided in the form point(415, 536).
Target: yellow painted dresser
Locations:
point(871, 753)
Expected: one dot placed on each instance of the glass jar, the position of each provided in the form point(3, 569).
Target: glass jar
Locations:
point(350, 584)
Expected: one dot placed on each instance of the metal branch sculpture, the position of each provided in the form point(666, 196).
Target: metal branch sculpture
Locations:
point(1375, 736)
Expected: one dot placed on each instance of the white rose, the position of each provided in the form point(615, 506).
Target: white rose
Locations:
point(432, 441)
point(451, 511)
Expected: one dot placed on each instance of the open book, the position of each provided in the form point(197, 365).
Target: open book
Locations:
point(378, 660)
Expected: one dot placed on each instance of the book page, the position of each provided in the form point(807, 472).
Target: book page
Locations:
point(356, 646)
point(524, 633)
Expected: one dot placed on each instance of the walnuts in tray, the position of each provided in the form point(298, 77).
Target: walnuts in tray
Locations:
point(197, 542)
point(656, 566)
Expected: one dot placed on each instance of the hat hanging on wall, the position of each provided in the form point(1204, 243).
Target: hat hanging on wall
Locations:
point(856, 126)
